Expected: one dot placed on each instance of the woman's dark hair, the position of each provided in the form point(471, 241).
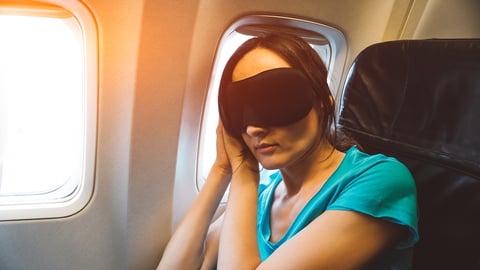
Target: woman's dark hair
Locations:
point(298, 53)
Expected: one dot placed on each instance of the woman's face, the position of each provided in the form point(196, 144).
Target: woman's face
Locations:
point(276, 147)
point(281, 147)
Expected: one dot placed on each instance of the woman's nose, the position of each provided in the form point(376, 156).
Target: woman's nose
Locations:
point(255, 131)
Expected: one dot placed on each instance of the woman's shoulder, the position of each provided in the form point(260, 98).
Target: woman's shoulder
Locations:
point(379, 186)
point(373, 172)
point(378, 163)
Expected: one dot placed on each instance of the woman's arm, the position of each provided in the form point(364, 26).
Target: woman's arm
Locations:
point(186, 248)
point(336, 240)
point(238, 241)
point(211, 244)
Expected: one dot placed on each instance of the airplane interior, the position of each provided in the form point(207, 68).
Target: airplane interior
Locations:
point(108, 112)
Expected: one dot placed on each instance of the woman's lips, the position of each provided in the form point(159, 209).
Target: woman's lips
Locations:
point(265, 148)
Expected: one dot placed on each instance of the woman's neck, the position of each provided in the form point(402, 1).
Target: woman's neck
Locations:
point(312, 171)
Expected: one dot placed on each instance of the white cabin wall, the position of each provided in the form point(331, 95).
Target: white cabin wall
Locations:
point(161, 75)
point(441, 20)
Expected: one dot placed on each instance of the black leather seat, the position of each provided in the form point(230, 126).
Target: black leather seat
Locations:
point(419, 100)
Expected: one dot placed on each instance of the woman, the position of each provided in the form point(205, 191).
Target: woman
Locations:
point(330, 206)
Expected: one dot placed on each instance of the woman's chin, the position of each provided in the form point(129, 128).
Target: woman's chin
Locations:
point(271, 164)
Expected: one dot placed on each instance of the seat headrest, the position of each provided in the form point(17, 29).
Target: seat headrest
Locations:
point(419, 101)
point(419, 94)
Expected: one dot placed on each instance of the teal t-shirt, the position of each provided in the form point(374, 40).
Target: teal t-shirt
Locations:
point(375, 185)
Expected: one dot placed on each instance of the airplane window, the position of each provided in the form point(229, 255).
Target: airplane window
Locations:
point(46, 120)
point(329, 43)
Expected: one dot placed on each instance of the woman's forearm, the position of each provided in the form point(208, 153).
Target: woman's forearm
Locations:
point(185, 249)
point(238, 242)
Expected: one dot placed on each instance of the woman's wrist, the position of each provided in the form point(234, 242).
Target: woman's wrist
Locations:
point(222, 171)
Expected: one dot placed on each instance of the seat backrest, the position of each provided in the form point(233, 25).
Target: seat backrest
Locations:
point(419, 101)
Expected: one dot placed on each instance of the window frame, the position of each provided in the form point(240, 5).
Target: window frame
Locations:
point(83, 192)
point(335, 67)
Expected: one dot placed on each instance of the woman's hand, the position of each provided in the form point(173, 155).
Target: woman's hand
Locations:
point(238, 155)
point(222, 161)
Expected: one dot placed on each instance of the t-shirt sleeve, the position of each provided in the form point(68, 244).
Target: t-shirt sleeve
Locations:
point(385, 190)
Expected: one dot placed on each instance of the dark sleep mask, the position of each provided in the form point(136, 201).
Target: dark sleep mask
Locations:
point(277, 97)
